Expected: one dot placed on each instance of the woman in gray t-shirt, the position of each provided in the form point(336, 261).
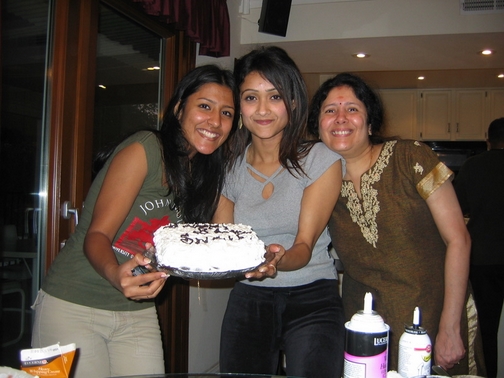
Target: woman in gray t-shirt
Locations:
point(285, 189)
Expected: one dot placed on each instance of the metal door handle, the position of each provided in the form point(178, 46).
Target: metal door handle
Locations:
point(67, 211)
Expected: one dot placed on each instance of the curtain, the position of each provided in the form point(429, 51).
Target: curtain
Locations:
point(204, 21)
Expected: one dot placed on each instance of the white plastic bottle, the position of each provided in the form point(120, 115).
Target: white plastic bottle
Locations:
point(415, 350)
point(366, 344)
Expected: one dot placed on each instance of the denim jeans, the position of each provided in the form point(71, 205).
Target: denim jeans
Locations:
point(306, 323)
point(109, 343)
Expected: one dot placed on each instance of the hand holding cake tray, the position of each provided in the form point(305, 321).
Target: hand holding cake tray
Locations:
point(207, 251)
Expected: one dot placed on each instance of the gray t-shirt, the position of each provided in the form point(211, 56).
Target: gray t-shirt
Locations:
point(275, 220)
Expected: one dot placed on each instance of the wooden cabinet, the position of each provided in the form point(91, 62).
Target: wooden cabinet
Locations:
point(453, 114)
point(495, 105)
point(400, 113)
point(469, 115)
point(435, 115)
point(441, 114)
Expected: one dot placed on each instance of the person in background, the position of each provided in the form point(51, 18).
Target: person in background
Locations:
point(283, 188)
point(397, 226)
point(90, 296)
point(480, 189)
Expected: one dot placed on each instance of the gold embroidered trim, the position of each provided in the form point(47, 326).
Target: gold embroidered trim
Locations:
point(472, 325)
point(434, 180)
point(364, 212)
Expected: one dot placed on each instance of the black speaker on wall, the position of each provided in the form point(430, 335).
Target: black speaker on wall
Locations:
point(275, 17)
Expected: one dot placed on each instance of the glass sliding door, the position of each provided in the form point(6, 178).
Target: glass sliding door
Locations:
point(76, 76)
point(126, 97)
point(128, 62)
point(22, 155)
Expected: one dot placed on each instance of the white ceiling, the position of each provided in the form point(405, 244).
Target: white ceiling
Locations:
point(396, 62)
point(444, 60)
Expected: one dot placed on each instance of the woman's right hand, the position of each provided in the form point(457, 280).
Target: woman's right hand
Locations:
point(121, 186)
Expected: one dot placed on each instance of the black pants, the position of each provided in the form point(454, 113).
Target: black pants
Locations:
point(305, 322)
point(488, 287)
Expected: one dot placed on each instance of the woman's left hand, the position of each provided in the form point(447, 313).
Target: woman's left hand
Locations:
point(274, 253)
point(449, 349)
point(445, 209)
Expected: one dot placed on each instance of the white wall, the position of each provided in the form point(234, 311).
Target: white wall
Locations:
point(372, 18)
point(207, 302)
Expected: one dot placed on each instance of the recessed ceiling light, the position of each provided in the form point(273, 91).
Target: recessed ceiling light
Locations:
point(421, 77)
point(487, 52)
point(500, 76)
point(360, 55)
point(102, 86)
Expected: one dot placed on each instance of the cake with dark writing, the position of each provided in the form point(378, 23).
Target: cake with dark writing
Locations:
point(208, 247)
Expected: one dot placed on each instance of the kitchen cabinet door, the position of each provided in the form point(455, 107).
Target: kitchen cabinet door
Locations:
point(435, 117)
point(400, 113)
point(469, 115)
point(453, 114)
point(495, 106)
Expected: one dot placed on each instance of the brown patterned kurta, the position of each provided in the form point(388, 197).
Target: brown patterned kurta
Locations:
point(388, 241)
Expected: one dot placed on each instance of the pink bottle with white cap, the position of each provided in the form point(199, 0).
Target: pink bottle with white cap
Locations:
point(366, 344)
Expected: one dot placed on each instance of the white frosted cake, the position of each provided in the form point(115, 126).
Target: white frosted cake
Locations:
point(206, 247)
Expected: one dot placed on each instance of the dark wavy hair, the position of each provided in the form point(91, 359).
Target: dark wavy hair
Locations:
point(276, 66)
point(370, 99)
point(197, 182)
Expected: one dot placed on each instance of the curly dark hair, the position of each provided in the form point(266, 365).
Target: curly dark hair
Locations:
point(370, 99)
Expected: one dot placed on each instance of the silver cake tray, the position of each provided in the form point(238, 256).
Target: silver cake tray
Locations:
point(199, 275)
point(187, 273)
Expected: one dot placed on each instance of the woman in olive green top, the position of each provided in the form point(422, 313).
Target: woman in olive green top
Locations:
point(90, 296)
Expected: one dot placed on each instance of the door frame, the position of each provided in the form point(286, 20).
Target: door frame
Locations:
point(71, 78)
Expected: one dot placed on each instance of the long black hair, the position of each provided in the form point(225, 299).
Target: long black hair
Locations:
point(370, 99)
point(276, 66)
point(196, 182)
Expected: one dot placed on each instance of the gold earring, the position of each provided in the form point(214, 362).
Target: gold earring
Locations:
point(369, 131)
point(240, 122)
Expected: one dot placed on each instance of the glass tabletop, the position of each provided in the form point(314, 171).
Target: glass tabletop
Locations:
point(207, 375)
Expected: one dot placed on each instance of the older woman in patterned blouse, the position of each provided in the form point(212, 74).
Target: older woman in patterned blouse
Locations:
point(397, 227)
